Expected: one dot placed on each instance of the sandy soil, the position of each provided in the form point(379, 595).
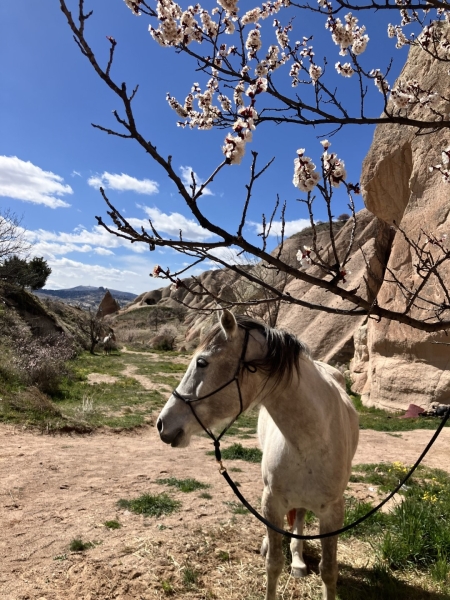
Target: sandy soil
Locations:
point(56, 489)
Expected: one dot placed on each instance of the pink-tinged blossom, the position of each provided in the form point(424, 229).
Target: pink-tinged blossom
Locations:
point(252, 16)
point(348, 34)
point(379, 80)
point(294, 73)
point(133, 5)
point(256, 88)
point(176, 106)
point(210, 27)
point(253, 43)
point(334, 168)
point(315, 72)
point(238, 92)
point(304, 256)
point(234, 149)
point(230, 7)
point(262, 68)
point(305, 175)
point(229, 26)
point(326, 144)
point(346, 70)
point(156, 271)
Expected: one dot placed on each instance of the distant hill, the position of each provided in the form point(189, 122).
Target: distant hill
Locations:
point(85, 296)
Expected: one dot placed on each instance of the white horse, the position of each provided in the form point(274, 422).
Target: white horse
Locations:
point(307, 427)
point(108, 343)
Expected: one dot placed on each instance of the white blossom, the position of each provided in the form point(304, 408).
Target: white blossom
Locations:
point(348, 34)
point(334, 167)
point(253, 43)
point(346, 70)
point(305, 175)
point(133, 5)
point(315, 72)
point(251, 16)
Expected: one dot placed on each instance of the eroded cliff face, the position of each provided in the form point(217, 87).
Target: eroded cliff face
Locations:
point(395, 365)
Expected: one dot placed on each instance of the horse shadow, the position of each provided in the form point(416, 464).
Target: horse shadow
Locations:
point(374, 583)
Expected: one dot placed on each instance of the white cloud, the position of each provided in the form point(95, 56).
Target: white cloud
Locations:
point(290, 227)
point(68, 273)
point(51, 244)
point(124, 183)
point(186, 178)
point(75, 173)
point(171, 224)
point(22, 180)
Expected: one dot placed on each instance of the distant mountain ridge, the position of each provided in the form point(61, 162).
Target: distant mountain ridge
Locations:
point(86, 296)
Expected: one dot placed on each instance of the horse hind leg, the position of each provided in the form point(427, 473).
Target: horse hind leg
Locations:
point(298, 567)
point(330, 520)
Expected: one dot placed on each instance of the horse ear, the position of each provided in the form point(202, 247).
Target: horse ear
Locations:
point(229, 324)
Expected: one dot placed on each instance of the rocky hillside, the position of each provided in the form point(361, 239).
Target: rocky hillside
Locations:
point(86, 296)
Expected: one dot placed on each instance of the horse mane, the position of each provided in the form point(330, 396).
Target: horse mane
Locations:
point(283, 348)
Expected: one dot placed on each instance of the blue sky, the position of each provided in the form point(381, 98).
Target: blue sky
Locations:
point(52, 160)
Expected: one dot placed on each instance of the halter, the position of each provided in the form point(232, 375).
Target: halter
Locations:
point(189, 401)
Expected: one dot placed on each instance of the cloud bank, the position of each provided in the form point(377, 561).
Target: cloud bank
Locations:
point(24, 181)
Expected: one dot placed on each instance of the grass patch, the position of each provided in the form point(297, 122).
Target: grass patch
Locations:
point(237, 508)
point(190, 577)
point(245, 425)
point(416, 533)
point(151, 505)
point(112, 524)
point(238, 452)
point(77, 545)
point(184, 485)
point(205, 496)
point(382, 420)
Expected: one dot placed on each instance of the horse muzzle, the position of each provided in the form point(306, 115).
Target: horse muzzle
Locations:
point(175, 437)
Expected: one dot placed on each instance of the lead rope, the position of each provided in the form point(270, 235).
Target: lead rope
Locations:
point(320, 536)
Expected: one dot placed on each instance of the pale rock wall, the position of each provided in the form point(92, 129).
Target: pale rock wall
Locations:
point(397, 365)
point(330, 336)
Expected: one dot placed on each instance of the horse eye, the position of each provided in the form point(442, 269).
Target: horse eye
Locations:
point(202, 363)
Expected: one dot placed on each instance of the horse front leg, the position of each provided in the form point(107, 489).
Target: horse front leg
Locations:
point(272, 544)
point(330, 520)
point(298, 565)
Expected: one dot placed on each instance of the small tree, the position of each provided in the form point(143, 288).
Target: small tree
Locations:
point(39, 272)
point(18, 271)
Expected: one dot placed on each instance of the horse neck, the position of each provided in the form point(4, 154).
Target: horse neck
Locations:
point(292, 403)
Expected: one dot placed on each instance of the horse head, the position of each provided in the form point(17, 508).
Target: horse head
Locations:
point(214, 389)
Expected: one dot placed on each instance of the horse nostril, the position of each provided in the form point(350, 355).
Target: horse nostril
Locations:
point(159, 425)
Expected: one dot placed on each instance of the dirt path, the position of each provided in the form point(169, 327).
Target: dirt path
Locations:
point(56, 489)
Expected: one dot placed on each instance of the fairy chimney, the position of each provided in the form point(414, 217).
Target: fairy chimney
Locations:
point(108, 305)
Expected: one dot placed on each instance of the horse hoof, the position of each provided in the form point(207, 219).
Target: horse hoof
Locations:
point(298, 572)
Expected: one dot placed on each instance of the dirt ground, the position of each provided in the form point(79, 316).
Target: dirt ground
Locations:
point(56, 489)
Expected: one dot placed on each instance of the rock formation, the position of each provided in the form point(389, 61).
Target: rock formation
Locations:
point(395, 365)
point(108, 305)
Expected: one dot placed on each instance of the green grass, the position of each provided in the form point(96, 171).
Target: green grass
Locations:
point(151, 505)
point(77, 545)
point(190, 576)
point(378, 419)
point(184, 485)
point(238, 452)
point(237, 508)
point(205, 496)
point(416, 533)
point(112, 524)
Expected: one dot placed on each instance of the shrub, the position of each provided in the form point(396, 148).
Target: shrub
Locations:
point(165, 340)
point(42, 361)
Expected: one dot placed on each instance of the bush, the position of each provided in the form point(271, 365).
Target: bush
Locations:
point(42, 361)
point(165, 340)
